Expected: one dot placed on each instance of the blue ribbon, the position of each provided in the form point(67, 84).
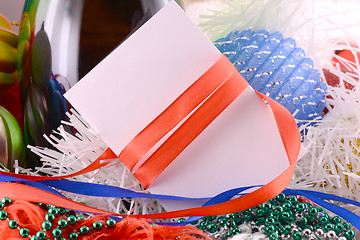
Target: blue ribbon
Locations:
point(99, 190)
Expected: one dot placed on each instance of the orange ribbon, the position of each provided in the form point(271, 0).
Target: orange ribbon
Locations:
point(213, 91)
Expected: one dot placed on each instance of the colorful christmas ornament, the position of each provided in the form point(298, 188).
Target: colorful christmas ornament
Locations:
point(275, 67)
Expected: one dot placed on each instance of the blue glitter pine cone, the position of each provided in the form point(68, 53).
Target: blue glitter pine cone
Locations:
point(275, 67)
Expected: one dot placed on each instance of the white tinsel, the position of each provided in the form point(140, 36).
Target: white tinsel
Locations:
point(332, 164)
point(73, 152)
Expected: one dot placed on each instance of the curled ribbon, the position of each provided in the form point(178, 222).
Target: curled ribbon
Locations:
point(204, 100)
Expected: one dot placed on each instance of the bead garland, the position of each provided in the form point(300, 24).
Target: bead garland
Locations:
point(49, 227)
point(283, 217)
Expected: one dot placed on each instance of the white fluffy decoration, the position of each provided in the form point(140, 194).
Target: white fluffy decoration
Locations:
point(75, 152)
point(332, 164)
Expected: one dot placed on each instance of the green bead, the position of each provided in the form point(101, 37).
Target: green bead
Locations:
point(230, 223)
point(269, 221)
point(181, 220)
point(229, 233)
point(297, 236)
point(97, 225)
point(338, 228)
point(293, 199)
point(270, 229)
point(110, 223)
point(286, 206)
point(73, 236)
point(61, 211)
point(285, 217)
point(246, 212)
point(346, 226)
point(41, 235)
point(278, 210)
point(236, 231)
point(56, 233)
point(303, 222)
point(212, 227)
point(323, 220)
point(72, 219)
point(328, 226)
point(6, 200)
point(50, 217)
point(349, 234)
point(300, 207)
point(2, 205)
point(336, 219)
point(194, 222)
point(33, 238)
point(204, 223)
point(84, 230)
point(62, 223)
point(13, 224)
point(266, 206)
point(46, 225)
point(53, 211)
point(211, 218)
point(286, 229)
point(221, 221)
point(274, 236)
point(313, 211)
point(321, 210)
point(3, 215)
point(24, 232)
point(81, 218)
point(260, 212)
point(281, 197)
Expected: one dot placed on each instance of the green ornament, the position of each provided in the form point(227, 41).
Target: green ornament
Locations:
point(33, 238)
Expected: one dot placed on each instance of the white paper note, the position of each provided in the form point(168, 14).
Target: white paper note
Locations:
point(144, 75)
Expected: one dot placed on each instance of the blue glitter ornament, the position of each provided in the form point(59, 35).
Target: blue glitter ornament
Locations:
point(275, 67)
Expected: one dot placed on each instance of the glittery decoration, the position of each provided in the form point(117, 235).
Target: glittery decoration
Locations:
point(283, 217)
point(275, 67)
